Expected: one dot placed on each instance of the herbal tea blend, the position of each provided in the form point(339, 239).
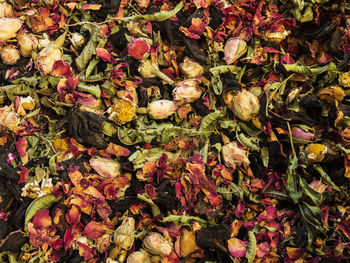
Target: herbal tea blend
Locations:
point(174, 131)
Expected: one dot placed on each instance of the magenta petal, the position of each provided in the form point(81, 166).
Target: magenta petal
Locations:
point(61, 69)
point(237, 247)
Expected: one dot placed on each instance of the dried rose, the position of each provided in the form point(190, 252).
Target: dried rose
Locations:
point(122, 111)
point(233, 155)
point(187, 242)
point(187, 91)
point(9, 118)
point(315, 152)
point(10, 55)
point(277, 36)
point(191, 68)
point(301, 134)
point(332, 94)
point(161, 109)
point(27, 43)
point(9, 28)
point(234, 49)
point(148, 69)
point(140, 256)
point(47, 58)
point(6, 10)
point(105, 167)
point(77, 40)
point(123, 237)
point(344, 80)
point(245, 105)
point(103, 243)
point(156, 244)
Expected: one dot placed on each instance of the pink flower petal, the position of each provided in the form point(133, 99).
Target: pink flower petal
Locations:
point(237, 247)
point(42, 219)
point(105, 55)
point(138, 49)
point(61, 69)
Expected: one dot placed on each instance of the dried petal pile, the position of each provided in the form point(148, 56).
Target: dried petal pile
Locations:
point(174, 131)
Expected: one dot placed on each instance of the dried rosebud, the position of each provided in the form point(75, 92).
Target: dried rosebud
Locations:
point(344, 80)
point(27, 43)
point(245, 105)
point(123, 237)
point(47, 58)
point(122, 111)
point(10, 55)
point(315, 152)
point(156, 244)
point(77, 40)
point(103, 243)
point(9, 28)
point(161, 109)
point(332, 94)
point(6, 10)
point(191, 68)
point(187, 91)
point(140, 256)
point(234, 49)
point(234, 156)
point(105, 167)
point(298, 133)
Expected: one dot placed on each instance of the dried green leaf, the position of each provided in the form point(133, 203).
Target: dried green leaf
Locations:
point(251, 247)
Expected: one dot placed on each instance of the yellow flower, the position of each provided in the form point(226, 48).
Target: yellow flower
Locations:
point(315, 152)
point(60, 145)
point(122, 112)
point(344, 80)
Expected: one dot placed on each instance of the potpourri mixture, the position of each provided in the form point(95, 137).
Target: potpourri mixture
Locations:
point(174, 131)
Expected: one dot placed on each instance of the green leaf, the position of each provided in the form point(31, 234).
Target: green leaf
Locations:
point(208, 122)
point(311, 193)
point(264, 154)
point(305, 15)
point(326, 177)
point(232, 190)
point(292, 182)
point(52, 164)
point(40, 203)
point(248, 128)
point(109, 129)
point(92, 89)
point(312, 214)
point(248, 142)
point(251, 247)
point(89, 50)
point(298, 67)
point(184, 220)
point(91, 67)
point(217, 85)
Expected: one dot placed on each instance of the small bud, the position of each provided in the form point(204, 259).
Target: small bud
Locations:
point(245, 105)
point(191, 68)
point(77, 40)
point(27, 43)
point(315, 152)
point(124, 238)
point(103, 243)
point(47, 58)
point(139, 257)
point(10, 55)
point(122, 112)
point(298, 133)
point(233, 155)
point(6, 10)
point(234, 49)
point(156, 244)
point(9, 28)
point(187, 91)
point(161, 109)
point(344, 80)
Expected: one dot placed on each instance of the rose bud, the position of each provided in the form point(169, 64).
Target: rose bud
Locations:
point(344, 80)
point(10, 55)
point(27, 43)
point(156, 244)
point(47, 58)
point(315, 152)
point(234, 156)
point(103, 243)
point(9, 28)
point(245, 105)
point(187, 91)
point(147, 69)
point(161, 109)
point(234, 49)
point(139, 257)
point(191, 68)
point(77, 40)
point(298, 133)
point(5, 10)
point(125, 240)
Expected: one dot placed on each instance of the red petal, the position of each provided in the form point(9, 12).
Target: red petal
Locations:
point(73, 215)
point(61, 69)
point(21, 146)
point(23, 174)
point(138, 49)
point(117, 150)
point(197, 26)
point(105, 55)
point(94, 230)
point(237, 247)
point(42, 219)
point(94, 193)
